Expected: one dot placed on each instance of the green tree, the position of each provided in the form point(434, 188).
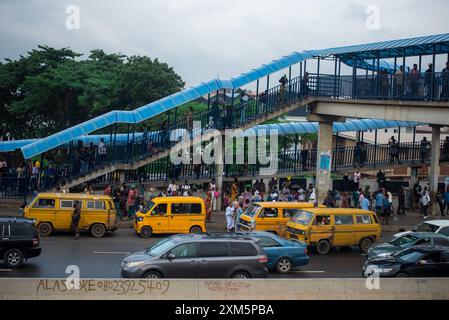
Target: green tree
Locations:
point(51, 89)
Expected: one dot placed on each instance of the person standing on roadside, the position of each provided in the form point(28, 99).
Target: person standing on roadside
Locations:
point(76, 217)
point(214, 194)
point(379, 202)
point(425, 202)
point(208, 205)
point(357, 177)
point(401, 202)
point(230, 217)
point(446, 201)
point(238, 213)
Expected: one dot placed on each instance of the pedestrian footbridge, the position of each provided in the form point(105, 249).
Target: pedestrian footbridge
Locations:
point(367, 82)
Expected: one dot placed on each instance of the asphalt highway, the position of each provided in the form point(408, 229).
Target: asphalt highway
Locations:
point(101, 258)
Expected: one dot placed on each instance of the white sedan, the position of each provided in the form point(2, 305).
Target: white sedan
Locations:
point(434, 226)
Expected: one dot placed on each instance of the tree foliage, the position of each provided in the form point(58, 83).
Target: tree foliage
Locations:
point(51, 89)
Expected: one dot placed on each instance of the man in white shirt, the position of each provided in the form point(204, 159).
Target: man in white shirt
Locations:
point(186, 189)
point(357, 177)
point(102, 150)
point(172, 188)
point(230, 221)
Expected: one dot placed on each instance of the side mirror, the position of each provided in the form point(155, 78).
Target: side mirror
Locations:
point(171, 256)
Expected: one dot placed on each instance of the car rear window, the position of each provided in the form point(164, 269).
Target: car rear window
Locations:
point(21, 230)
point(243, 249)
point(214, 249)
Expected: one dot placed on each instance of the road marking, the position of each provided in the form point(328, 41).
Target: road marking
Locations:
point(308, 271)
point(110, 252)
point(5, 270)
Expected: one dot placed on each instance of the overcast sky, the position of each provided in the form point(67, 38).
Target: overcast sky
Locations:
point(203, 38)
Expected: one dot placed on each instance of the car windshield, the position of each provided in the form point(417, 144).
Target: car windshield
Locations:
point(302, 217)
point(160, 247)
point(425, 227)
point(403, 240)
point(252, 210)
point(409, 256)
point(148, 207)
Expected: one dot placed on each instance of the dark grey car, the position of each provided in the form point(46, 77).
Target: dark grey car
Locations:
point(198, 256)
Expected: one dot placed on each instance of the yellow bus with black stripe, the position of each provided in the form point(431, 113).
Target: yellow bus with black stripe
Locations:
point(324, 228)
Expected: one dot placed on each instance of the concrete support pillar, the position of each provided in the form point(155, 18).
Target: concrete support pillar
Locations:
point(435, 167)
point(219, 168)
point(324, 165)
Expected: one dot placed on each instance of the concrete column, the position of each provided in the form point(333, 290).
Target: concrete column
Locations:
point(324, 165)
point(219, 168)
point(435, 167)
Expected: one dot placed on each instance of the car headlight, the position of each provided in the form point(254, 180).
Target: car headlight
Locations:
point(382, 254)
point(139, 219)
point(134, 264)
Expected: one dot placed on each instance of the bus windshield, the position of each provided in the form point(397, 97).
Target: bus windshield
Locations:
point(302, 217)
point(252, 210)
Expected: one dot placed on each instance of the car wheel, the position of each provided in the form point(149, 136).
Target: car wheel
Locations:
point(365, 245)
point(195, 230)
point(152, 275)
point(13, 258)
point(240, 275)
point(45, 229)
point(146, 232)
point(284, 265)
point(402, 275)
point(98, 230)
point(323, 247)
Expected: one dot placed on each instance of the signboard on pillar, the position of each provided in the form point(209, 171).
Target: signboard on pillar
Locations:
point(325, 162)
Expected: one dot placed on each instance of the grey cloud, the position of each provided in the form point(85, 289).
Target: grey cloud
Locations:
point(201, 38)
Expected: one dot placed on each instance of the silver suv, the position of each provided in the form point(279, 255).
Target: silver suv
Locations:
point(198, 256)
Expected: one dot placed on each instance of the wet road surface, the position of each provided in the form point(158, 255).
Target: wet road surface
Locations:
point(101, 258)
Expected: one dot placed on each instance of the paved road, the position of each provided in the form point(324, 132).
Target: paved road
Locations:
point(100, 258)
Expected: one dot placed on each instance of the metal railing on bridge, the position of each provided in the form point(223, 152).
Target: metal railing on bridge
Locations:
point(77, 161)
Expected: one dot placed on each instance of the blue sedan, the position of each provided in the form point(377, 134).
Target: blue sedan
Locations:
point(283, 255)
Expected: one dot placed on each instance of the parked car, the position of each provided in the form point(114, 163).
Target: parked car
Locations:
point(19, 241)
point(417, 261)
point(407, 241)
point(283, 255)
point(434, 226)
point(198, 256)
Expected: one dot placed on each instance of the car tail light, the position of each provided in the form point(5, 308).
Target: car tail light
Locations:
point(35, 242)
point(263, 259)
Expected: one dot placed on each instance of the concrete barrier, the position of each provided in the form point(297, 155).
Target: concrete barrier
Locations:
point(284, 289)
